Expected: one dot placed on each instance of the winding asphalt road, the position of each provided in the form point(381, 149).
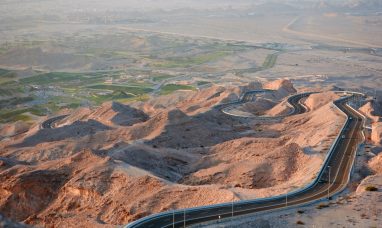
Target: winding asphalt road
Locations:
point(293, 101)
point(49, 122)
point(331, 180)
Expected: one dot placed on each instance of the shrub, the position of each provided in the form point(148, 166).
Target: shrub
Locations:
point(300, 212)
point(300, 222)
point(371, 188)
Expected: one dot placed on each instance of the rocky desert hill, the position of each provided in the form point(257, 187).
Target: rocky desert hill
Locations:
point(14, 129)
point(110, 113)
point(268, 104)
point(114, 164)
point(360, 205)
point(373, 109)
point(376, 133)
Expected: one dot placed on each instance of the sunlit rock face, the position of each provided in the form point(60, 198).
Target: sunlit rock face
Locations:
point(376, 133)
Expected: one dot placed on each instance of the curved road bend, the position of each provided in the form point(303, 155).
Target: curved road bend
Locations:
point(247, 96)
point(293, 100)
point(49, 122)
point(328, 183)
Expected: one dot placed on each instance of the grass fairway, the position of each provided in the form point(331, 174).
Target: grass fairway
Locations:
point(4, 71)
point(170, 88)
point(126, 89)
point(14, 101)
point(19, 114)
point(162, 77)
point(6, 76)
point(270, 61)
point(58, 90)
point(191, 61)
point(9, 91)
point(67, 79)
point(115, 96)
point(49, 78)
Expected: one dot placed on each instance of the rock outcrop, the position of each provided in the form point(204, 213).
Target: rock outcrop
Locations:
point(372, 110)
point(376, 133)
point(376, 163)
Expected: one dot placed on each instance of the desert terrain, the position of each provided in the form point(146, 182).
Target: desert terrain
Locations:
point(138, 83)
point(121, 162)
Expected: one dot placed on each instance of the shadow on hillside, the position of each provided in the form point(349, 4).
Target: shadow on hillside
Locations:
point(207, 129)
point(127, 116)
point(32, 192)
point(75, 130)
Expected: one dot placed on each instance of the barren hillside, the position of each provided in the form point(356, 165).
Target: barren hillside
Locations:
point(114, 164)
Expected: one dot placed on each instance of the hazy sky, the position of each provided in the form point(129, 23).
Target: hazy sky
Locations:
point(152, 4)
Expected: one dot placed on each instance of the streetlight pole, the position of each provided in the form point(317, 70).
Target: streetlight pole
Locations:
point(329, 184)
point(173, 218)
point(184, 217)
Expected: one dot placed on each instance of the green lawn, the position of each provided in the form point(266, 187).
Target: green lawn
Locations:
point(14, 101)
point(115, 96)
point(4, 71)
point(270, 61)
point(51, 78)
point(132, 83)
point(18, 114)
point(55, 103)
point(76, 87)
point(170, 88)
point(9, 91)
point(126, 89)
point(184, 62)
point(65, 79)
point(162, 77)
point(6, 76)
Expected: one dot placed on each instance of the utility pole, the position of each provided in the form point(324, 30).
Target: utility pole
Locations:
point(173, 218)
point(286, 199)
